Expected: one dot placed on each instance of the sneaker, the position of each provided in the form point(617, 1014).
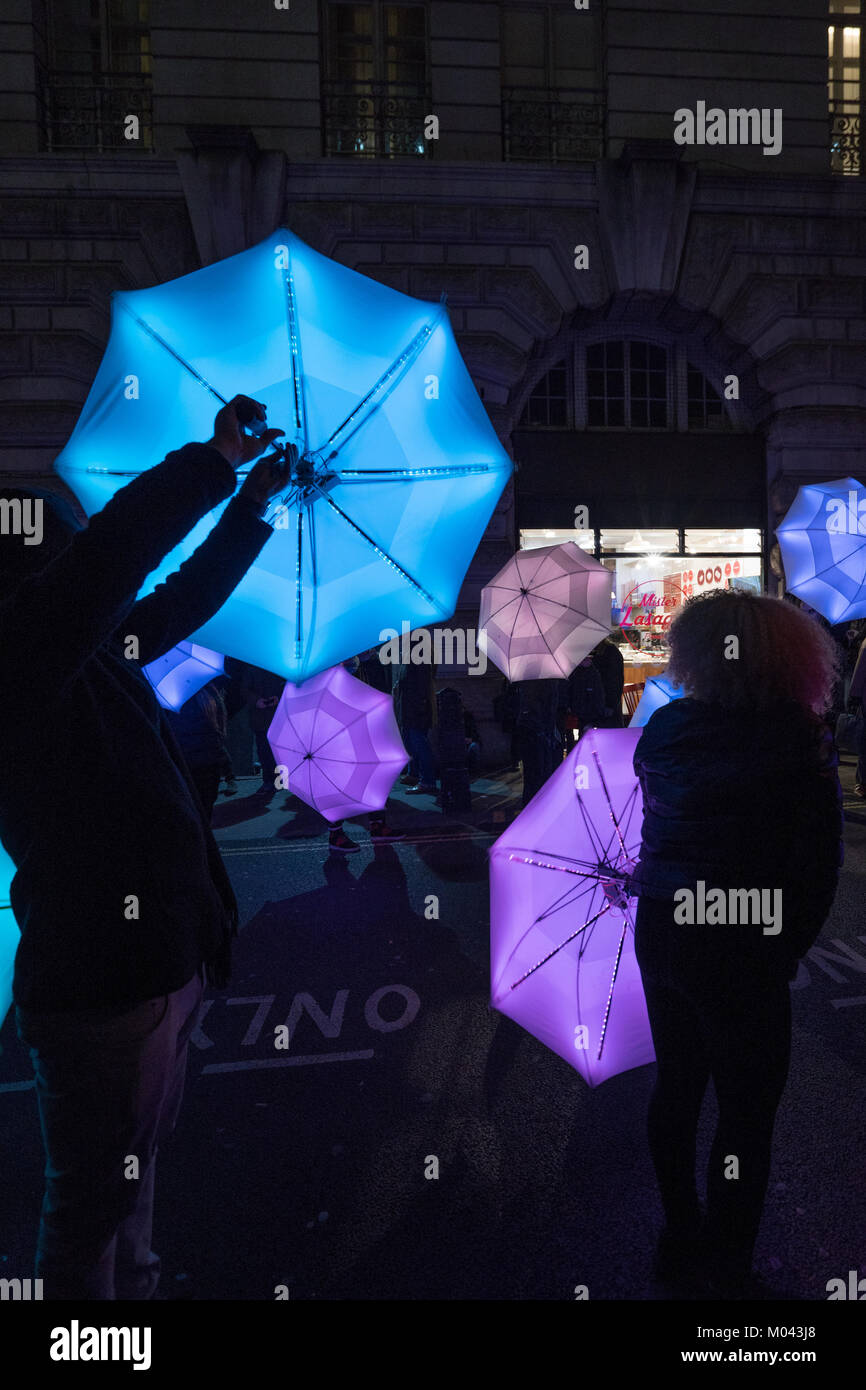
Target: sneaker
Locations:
point(860, 791)
point(339, 840)
point(422, 789)
point(380, 831)
point(231, 787)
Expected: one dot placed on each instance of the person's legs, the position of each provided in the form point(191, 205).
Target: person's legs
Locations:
point(136, 1266)
point(101, 1084)
point(683, 1069)
point(675, 1104)
point(860, 774)
point(418, 747)
point(266, 758)
point(749, 1038)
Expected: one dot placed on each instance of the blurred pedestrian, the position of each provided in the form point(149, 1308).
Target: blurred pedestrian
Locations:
point(585, 697)
point(607, 660)
point(262, 690)
point(414, 707)
point(538, 730)
point(200, 727)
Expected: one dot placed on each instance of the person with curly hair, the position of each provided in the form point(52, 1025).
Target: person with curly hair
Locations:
point(741, 792)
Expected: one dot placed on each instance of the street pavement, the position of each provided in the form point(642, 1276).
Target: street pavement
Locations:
point(308, 1167)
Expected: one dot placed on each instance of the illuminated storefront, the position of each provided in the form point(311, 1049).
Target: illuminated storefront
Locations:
point(655, 571)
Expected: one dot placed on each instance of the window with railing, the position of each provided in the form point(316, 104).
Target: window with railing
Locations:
point(843, 83)
point(375, 92)
point(552, 102)
point(627, 384)
point(98, 75)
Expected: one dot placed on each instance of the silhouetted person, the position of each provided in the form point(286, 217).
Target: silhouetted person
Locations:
point(262, 690)
point(607, 660)
point(122, 899)
point(200, 727)
point(538, 739)
point(586, 696)
point(740, 791)
point(414, 705)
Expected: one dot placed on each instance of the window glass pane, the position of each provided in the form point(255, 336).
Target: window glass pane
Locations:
point(616, 413)
point(531, 540)
point(728, 541)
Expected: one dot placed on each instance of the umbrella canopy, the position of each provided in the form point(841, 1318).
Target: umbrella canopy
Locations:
point(561, 923)
point(9, 934)
point(182, 672)
point(658, 690)
point(823, 544)
point(339, 740)
point(545, 611)
point(398, 467)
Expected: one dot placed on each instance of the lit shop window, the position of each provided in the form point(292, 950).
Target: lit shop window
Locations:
point(655, 570)
point(843, 86)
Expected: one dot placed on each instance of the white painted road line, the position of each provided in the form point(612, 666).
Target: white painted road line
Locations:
point(18, 1085)
point(290, 1061)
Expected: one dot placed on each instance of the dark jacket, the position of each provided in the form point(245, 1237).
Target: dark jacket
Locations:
point(586, 696)
point(259, 684)
point(742, 799)
point(200, 727)
point(96, 801)
point(607, 660)
point(413, 695)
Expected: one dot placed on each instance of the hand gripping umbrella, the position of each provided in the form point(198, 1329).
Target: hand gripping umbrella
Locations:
point(823, 544)
point(9, 934)
point(658, 690)
point(561, 920)
point(339, 741)
point(393, 471)
point(545, 611)
point(178, 675)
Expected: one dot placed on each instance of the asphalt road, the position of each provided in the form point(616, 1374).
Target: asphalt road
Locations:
point(312, 1173)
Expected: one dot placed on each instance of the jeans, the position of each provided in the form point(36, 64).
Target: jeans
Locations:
point(711, 1016)
point(266, 757)
point(109, 1087)
point(418, 747)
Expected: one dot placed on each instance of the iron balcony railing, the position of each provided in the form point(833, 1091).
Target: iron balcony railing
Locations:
point(844, 139)
point(375, 119)
point(89, 113)
point(547, 127)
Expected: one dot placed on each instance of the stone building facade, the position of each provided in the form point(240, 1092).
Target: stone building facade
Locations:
point(555, 210)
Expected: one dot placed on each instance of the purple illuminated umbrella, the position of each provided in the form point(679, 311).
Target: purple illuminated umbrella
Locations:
point(339, 740)
point(182, 672)
point(823, 544)
point(562, 923)
point(545, 611)
point(659, 690)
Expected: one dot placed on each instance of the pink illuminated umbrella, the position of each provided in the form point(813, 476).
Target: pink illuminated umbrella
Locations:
point(182, 672)
point(561, 920)
point(545, 611)
point(339, 741)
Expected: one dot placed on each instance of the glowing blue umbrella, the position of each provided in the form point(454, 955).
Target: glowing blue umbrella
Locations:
point(823, 544)
point(9, 934)
point(178, 675)
point(399, 468)
point(658, 691)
